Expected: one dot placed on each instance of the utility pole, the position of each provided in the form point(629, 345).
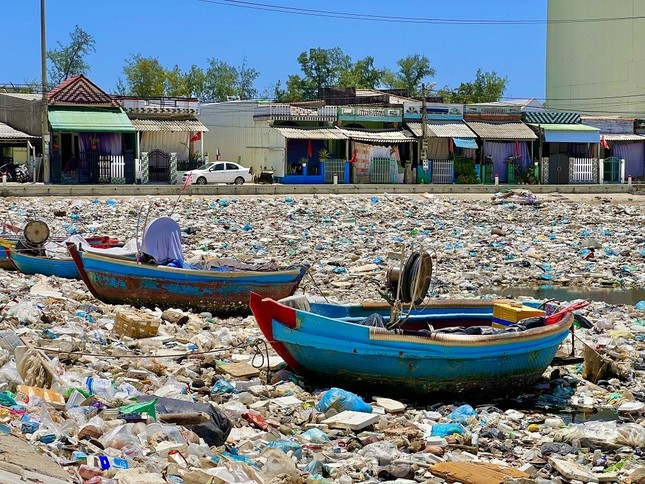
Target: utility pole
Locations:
point(424, 128)
point(44, 117)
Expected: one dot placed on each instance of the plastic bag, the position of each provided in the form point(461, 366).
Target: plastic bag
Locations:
point(214, 431)
point(445, 429)
point(147, 407)
point(342, 400)
point(603, 435)
point(315, 436)
point(384, 452)
point(462, 414)
point(287, 446)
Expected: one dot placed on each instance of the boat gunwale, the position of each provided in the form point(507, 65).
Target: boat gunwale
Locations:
point(299, 269)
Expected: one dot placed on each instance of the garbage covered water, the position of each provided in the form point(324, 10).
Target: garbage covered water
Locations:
point(198, 401)
point(615, 296)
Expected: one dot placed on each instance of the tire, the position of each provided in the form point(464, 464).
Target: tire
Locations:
point(201, 181)
point(239, 181)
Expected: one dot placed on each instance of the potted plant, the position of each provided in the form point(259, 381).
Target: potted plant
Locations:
point(323, 154)
point(303, 162)
point(94, 143)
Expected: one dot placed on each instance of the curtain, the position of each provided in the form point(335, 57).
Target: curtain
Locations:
point(438, 148)
point(168, 141)
point(500, 153)
point(634, 156)
point(107, 142)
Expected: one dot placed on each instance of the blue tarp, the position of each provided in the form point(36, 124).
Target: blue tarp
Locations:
point(465, 143)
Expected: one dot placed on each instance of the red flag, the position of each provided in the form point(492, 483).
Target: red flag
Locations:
point(452, 146)
point(354, 156)
point(310, 151)
point(196, 137)
point(517, 149)
point(187, 181)
point(603, 142)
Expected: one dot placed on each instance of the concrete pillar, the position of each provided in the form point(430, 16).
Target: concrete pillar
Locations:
point(173, 169)
point(145, 168)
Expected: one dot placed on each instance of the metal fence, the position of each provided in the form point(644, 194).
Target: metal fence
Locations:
point(335, 167)
point(187, 165)
point(382, 170)
point(443, 171)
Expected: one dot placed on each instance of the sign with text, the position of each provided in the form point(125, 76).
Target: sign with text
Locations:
point(437, 111)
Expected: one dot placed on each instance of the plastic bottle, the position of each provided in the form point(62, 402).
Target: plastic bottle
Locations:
point(101, 387)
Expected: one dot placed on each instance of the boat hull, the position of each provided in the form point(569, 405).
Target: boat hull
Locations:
point(47, 266)
point(126, 282)
point(332, 350)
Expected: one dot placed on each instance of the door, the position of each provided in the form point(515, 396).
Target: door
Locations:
point(559, 169)
point(232, 172)
point(217, 173)
point(159, 166)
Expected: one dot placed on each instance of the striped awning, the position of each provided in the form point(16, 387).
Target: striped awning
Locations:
point(502, 131)
point(551, 118)
point(7, 133)
point(310, 133)
point(190, 124)
point(379, 136)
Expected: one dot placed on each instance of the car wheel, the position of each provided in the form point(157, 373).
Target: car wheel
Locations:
point(239, 181)
point(201, 181)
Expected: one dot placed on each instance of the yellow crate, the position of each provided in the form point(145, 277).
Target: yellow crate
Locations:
point(507, 314)
point(136, 324)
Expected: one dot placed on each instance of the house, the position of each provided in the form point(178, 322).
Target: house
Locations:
point(20, 130)
point(169, 137)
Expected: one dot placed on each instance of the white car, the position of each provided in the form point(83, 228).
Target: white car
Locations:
point(219, 172)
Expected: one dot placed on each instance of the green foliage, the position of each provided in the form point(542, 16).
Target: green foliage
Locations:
point(69, 60)
point(362, 75)
point(323, 154)
point(465, 170)
point(144, 76)
point(487, 87)
point(412, 71)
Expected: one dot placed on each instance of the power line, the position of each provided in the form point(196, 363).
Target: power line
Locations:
point(410, 20)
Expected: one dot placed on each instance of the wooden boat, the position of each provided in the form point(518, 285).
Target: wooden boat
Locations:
point(130, 282)
point(425, 354)
point(27, 263)
point(5, 262)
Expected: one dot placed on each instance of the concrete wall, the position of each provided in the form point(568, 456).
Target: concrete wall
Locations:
point(231, 128)
point(602, 61)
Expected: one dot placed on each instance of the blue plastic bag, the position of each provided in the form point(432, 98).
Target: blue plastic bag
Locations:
point(286, 446)
point(462, 414)
point(444, 429)
point(640, 305)
point(342, 400)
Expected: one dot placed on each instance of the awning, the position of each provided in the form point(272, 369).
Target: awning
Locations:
point(465, 143)
point(187, 124)
point(449, 129)
point(491, 131)
point(379, 136)
point(310, 133)
point(7, 133)
point(570, 133)
point(90, 120)
point(623, 137)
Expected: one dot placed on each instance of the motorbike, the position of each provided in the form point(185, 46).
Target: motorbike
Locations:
point(15, 173)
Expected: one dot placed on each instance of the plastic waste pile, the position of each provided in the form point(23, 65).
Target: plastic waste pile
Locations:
point(200, 402)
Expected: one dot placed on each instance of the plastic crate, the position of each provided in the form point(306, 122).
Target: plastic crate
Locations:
point(136, 324)
point(506, 314)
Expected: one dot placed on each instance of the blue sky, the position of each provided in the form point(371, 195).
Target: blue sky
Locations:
point(187, 32)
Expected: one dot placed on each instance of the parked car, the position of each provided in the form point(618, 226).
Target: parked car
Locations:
point(219, 172)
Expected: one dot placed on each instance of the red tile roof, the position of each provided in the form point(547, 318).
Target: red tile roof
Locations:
point(79, 90)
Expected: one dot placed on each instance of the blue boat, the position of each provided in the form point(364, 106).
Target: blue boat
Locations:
point(448, 346)
point(217, 291)
point(27, 263)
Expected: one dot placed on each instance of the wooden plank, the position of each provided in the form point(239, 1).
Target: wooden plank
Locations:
point(475, 472)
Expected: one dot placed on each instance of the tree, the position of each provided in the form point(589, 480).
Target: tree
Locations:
point(321, 68)
point(362, 75)
point(144, 77)
point(413, 70)
point(69, 60)
point(487, 87)
point(246, 76)
point(220, 81)
point(176, 83)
